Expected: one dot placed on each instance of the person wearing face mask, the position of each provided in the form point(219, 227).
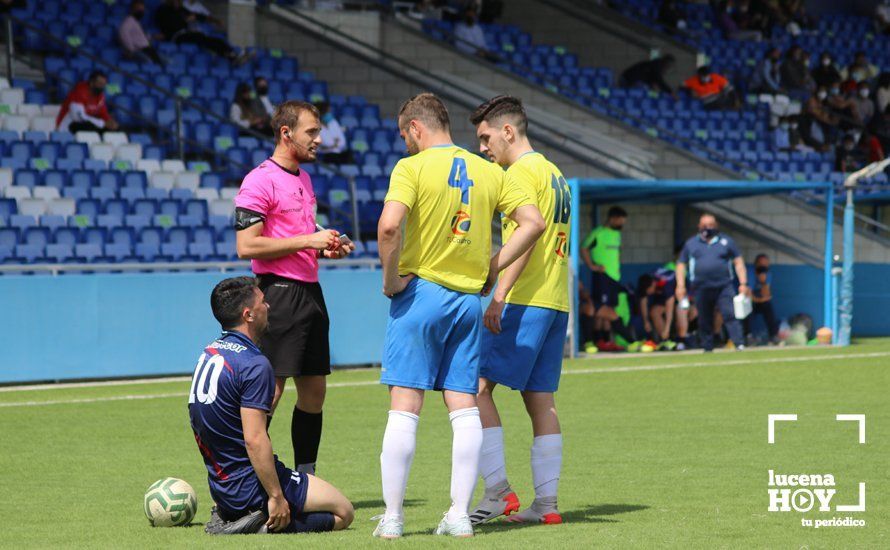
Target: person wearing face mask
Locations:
point(469, 36)
point(762, 298)
point(709, 258)
point(263, 103)
point(247, 113)
point(84, 109)
point(334, 147)
point(713, 89)
point(826, 74)
point(795, 74)
point(132, 36)
point(766, 78)
point(860, 70)
point(865, 106)
point(818, 125)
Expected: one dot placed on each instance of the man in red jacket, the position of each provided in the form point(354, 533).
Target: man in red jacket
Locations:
point(85, 109)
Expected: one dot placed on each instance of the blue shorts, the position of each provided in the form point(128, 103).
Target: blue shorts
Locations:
point(432, 339)
point(527, 354)
point(294, 485)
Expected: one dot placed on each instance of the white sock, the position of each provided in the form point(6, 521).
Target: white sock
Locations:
point(399, 441)
point(546, 463)
point(465, 450)
point(492, 464)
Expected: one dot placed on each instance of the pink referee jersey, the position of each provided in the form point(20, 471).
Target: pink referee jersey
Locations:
point(286, 202)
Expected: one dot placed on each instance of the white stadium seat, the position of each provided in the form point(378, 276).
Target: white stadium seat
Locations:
point(4, 83)
point(131, 152)
point(87, 137)
point(115, 138)
point(17, 192)
point(45, 193)
point(12, 96)
point(149, 166)
point(163, 180)
point(6, 179)
point(102, 151)
point(28, 109)
point(43, 123)
point(221, 207)
point(206, 193)
point(228, 193)
point(173, 165)
point(50, 110)
point(32, 207)
point(188, 180)
point(16, 123)
point(61, 207)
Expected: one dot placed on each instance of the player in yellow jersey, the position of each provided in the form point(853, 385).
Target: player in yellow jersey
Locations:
point(526, 320)
point(446, 197)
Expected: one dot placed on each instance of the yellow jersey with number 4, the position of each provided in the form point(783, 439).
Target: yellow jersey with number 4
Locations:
point(452, 196)
point(545, 280)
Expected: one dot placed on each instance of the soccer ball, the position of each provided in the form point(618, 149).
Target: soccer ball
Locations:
point(170, 502)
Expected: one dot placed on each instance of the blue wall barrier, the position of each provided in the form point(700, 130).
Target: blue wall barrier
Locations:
point(116, 325)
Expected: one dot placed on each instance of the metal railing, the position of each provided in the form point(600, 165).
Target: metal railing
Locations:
point(223, 267)
point(180, 103)
point(386, 61)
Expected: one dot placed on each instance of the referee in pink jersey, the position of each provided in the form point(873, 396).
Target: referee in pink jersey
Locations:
point(275, 228)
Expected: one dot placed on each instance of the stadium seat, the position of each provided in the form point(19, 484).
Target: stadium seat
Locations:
point(66, 235)
point(32, 207)
point(187, 180)
point(89, 252)
point(163, 180)
point(45, 193)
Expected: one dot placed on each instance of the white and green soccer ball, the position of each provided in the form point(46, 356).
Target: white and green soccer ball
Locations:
point(170, 502)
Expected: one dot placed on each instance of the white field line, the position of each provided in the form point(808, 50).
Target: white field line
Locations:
point(565, 372)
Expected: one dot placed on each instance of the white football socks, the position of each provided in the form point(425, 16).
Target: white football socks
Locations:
point(546, 458)
point(492, 464)
point(399, 442)
point(466, 446)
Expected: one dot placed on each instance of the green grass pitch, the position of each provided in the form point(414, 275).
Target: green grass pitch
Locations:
point(660, 451)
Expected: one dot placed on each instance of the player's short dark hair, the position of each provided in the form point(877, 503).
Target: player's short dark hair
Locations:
point(502, 106)
point(643, 283)
point(616, 212)
point(760, 256)
point(96, 74)
point(230, 297)
point(427, 108)
point(288, 114)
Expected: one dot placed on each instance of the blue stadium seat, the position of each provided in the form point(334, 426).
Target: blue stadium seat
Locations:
point(174, 251)
point(108, 221)
point(203, 234)
point(38, 236)
point(137, 222)
point(55, 178)
point(226, 249)
point(151, 235)
point(181, 235)
point(181, 195)
point(89, 252)
point(27, 178)
point(132, 194)
point(202, 250)
point(116, 207)
point(220, 224)
point(29, 253)
point(122, 235)
point(156, 194)
point(94, 235)
point(196, 208)
point(9, 236)
point(76, 151)
point(22, 221)
point(60, 253)
point(170, 207)
point(147, 252)
point(145, 207)
point(67, 235)
point(52, 222)
point(8, 207)
point(134, 178)
point(110, 179)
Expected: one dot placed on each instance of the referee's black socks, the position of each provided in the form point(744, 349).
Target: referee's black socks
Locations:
point(305, 434)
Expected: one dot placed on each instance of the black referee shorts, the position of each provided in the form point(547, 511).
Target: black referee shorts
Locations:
point(605, 290)
point(296, 342)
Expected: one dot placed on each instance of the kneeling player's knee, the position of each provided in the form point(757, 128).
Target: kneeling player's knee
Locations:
point(343, 516)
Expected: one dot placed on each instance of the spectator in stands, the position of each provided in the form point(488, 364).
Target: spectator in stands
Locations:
point(846, 157)
point(710, 258)
point(671, 17)
point(133, 38)
point(882, 94)
point(880, 128)
point(174, 22)
point(865, 106)
point(469, 36)
point(724, 13)
point(826, 74)
point(713, 89)
point(818, 125)
point(650, 74)
point(860, 70)
point(84, 109)
point(844, 107)
point(762, 298)
point(795, 75)
point(261, 89)
point(334, 148)
point(882, 17)
point(766, 78)
point(247, 113)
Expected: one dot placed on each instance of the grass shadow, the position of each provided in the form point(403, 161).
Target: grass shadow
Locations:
point(592, 514)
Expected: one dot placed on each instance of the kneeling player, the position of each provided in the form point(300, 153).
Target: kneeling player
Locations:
point(527, 321)
point(229, 403)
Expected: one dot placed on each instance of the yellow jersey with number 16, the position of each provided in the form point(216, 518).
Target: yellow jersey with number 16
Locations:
point(545, 280)
point(452, 196)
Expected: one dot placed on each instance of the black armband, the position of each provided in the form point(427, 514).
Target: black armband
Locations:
point(244, 218)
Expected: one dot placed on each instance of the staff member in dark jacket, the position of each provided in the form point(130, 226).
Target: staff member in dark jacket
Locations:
point(174, 22)
point(710, 258)
point(649, 73)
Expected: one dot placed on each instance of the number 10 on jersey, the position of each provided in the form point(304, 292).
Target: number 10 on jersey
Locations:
point(562, 205)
